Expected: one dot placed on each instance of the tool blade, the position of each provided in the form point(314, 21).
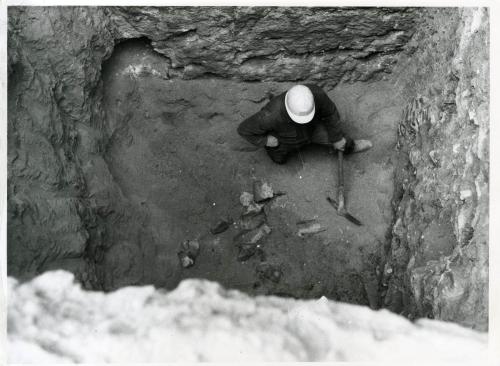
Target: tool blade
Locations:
point(347, 215)
point(333, 202)
point(352, 219)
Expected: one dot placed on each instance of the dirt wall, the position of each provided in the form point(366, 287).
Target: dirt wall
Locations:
point(437, 264)
point(55, 125)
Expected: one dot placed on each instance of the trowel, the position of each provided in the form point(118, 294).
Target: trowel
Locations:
point(339, 205)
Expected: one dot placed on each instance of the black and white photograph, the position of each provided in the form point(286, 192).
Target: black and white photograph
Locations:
point(247, 183)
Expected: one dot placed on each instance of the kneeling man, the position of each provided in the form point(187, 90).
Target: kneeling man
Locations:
point(300, 116)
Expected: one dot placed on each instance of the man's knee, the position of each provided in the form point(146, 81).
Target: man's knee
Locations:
point(279, 159)
point(278, 156)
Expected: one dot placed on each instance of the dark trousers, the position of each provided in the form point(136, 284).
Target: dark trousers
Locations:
point(280, 153)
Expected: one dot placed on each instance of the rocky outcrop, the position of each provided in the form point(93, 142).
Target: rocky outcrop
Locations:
point(437, 263)
point(65, 209)
point(325, 45)
point(50, 319)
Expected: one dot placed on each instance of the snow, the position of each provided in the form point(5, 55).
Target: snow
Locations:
point(51, 319)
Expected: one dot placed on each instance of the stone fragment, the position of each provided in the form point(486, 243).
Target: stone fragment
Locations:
point(186, 262)
point(252, 220)
point(254, 208)
point(253, 236)
point(466, 234)
point(247, 251)
point(191, 247)
point(309, 227)
point(414, 157)
point(466, 193)
point(262, 191)
point(371, 286)
point(246, 199)
point(434, 158)
point(398, 228)
point(221, 226)
point(188, 252)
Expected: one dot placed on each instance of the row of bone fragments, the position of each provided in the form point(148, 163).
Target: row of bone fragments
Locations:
point(253, 229)
point(252, 223)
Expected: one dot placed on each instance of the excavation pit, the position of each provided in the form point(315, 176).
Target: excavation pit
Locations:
point(125, 166)
point(176, 156)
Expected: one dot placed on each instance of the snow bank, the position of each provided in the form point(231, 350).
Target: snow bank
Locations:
point(51, 319)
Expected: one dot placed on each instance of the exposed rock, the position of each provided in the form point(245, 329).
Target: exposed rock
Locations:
point(466, 193)
point(50, 319)
point(434, 158)
point(253, 236)
point(309, 227)
point(326, 45)
point(439, 249)
point(185, 260)
point(221, 226)
point(254, 209)
point(188, 252)
point(251, 220)
point(262, 191)
point(247, 251)
point(246, 199)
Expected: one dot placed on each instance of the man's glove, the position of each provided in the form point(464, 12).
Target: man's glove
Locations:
point(271, 141)
point(340, 145)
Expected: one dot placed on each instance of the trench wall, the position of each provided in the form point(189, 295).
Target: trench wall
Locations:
point(437, 262)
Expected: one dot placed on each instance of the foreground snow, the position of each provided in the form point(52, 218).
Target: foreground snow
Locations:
point(51, 319)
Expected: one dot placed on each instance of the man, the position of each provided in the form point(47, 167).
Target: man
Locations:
point(301, 116)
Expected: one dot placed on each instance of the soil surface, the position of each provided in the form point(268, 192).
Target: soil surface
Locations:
point(175, 151)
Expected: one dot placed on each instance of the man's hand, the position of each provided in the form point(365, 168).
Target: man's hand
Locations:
point(340, 145)
point(271, 141)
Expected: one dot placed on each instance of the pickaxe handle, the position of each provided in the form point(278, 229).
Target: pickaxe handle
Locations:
point(340, 190)
point(340, 194)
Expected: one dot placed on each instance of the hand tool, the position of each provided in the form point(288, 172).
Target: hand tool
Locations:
point(339, 205)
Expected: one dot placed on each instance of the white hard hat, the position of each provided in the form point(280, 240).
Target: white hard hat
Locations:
point(299, 103)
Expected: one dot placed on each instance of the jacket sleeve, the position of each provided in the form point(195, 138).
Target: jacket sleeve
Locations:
point(328, 114)
point(256, 128)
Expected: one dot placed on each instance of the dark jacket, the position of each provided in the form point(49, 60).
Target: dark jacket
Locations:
point(273, 119)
